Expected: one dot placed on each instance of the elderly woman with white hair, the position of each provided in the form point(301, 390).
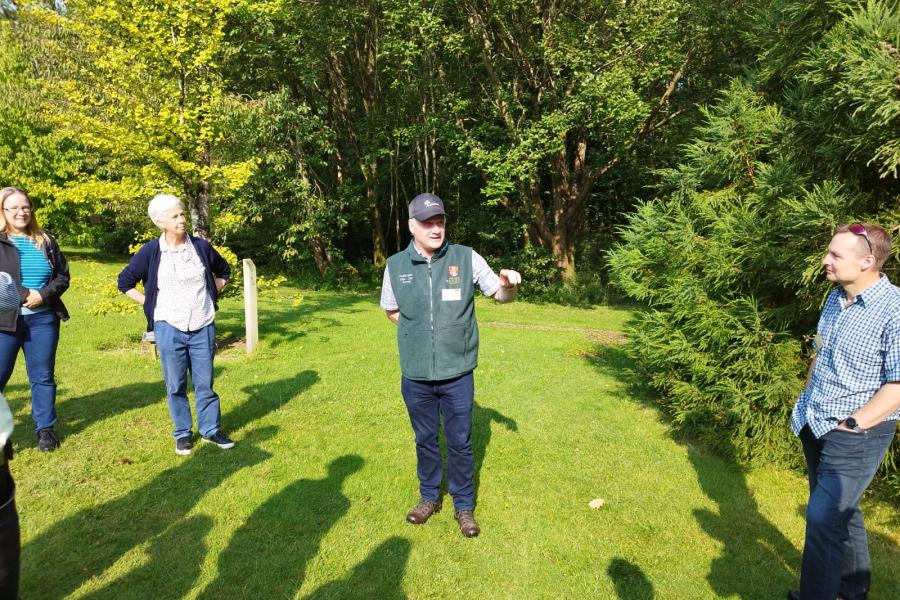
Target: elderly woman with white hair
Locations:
point(182, 277)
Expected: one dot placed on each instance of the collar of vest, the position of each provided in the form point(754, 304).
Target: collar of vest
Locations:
point(416, 257)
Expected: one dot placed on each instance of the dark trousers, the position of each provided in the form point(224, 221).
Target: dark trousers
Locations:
point(427, 402)
point(10, 542)
point(841, 464)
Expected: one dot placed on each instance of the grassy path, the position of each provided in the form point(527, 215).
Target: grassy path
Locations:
point(310, 504)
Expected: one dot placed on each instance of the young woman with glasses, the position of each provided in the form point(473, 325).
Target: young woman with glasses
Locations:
point(41, 272)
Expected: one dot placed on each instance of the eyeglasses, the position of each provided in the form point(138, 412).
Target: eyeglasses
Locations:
point(859, 229)
point(15, 209)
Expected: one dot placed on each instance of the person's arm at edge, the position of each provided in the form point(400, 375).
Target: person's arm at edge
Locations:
point(135, 295)
point(883, 404)
point(509, 282)
point(388, 300)
point(887, 399)
point(131, 275)
point(60, 282)
point(812, 365)
point(220, 268)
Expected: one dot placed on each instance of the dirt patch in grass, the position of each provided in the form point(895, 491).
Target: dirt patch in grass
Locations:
point(133, 344)
point(600, 336)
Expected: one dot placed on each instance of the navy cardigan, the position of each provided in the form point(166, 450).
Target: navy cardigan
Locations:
point(144, 267)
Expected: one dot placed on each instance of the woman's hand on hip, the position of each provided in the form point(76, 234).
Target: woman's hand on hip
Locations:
point(33, 300)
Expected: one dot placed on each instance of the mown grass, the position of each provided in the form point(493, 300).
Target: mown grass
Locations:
point(310, 503)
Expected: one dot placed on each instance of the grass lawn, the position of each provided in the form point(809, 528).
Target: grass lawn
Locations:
point(311, 502)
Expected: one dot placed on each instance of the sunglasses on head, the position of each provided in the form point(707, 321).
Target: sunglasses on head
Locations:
point(859, 229)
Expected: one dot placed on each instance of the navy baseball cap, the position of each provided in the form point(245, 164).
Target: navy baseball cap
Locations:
point(425, 206)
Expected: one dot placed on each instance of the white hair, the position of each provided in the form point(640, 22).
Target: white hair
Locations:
point(160, 206)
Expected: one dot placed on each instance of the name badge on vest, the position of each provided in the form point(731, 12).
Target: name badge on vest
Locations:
point(451, 294)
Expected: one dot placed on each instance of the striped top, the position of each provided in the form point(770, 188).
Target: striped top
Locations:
point(34, 266)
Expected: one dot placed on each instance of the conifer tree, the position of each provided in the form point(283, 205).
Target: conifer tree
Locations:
point(727, 256)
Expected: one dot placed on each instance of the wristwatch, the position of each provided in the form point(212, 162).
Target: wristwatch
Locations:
point(850, 423)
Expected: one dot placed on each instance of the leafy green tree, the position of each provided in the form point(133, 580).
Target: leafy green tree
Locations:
point(68, 189)
point(139, 83)
point(562, 92)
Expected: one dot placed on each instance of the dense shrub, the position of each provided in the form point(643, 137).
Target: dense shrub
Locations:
point(727, 255)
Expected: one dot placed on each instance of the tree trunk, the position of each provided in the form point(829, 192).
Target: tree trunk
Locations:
point(379, 243)
point(321, 253)
point(198, 200)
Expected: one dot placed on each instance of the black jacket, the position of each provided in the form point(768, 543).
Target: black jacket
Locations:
point(59, 279)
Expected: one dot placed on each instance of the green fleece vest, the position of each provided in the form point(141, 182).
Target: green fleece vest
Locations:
point(437, 335)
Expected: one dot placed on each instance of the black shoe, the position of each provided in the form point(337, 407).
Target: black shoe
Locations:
point(220, 440)
point(47, 440)
point(184, 445)
point(793, 595)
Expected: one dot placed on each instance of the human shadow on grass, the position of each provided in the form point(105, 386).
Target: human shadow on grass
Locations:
point(78, 413)
point(75, 414)
point(883, 550)
point(285, 324)
point(172, 568)
point(286, 530)
point(885, 555)
point(630, 581)
point(482, 420)
point(59, 560)
point(18, 396)
point(266, 397)
point(379, 576)
point(757, 560)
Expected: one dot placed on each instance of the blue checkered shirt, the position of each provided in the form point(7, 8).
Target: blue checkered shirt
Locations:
point(859, 353)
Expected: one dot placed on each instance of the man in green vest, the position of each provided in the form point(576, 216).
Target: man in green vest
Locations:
point(429, 293)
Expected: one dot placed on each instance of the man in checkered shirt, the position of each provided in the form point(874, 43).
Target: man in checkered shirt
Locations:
point(847, 415)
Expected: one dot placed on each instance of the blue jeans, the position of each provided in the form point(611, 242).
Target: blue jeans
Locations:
point(841, 464)
point(427, 402)
point(180, 351)
point(37, 335)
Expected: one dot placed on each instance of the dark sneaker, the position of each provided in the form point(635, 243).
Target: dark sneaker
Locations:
point(468, 526)
point(47, 440)
point(220, 440)
point(422, 511)
point(184, 445)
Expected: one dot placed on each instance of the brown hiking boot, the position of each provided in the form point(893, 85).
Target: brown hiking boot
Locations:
point(422, 511)
point(468, 526)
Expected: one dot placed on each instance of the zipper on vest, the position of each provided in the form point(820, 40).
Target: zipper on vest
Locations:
point(431, 314)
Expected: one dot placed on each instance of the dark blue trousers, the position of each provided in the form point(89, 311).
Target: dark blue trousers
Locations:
point(841, 464)
point(38, 336)
point(427, 402)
